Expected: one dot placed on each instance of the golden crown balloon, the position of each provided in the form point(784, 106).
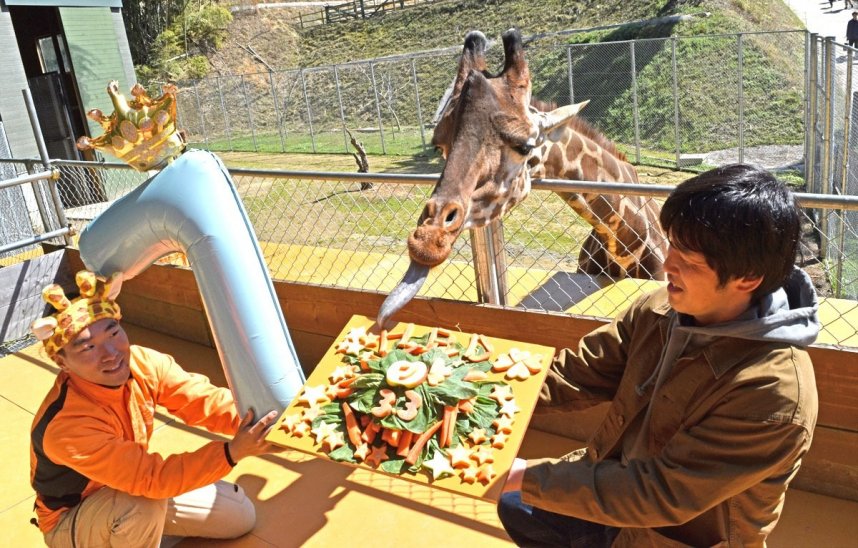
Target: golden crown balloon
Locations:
point(141, 132)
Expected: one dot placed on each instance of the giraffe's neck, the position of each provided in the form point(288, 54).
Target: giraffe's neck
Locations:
point(626, 226)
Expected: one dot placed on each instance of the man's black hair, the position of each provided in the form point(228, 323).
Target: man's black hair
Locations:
point(741, 218)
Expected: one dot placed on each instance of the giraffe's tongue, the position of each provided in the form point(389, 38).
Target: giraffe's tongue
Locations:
point(403, 292)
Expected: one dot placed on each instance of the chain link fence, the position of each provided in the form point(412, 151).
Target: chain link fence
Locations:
point(663, 100)
point(831, 150)
point(331, 230)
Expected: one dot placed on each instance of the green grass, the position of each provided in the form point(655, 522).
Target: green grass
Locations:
point(397, 143)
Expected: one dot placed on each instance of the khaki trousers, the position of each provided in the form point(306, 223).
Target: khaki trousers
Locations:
point(113, 518)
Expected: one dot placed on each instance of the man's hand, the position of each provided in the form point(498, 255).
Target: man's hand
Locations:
point(250, 441)
point(515, 476)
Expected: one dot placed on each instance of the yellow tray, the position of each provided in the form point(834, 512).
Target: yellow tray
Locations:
point(525, 393)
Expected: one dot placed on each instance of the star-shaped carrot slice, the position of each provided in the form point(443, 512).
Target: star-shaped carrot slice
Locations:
point(333, 441)
point(361, 451)
point(349, 347)
point(341, 373)
point(483, 454)
point(377, 456)
point(509, 408)
point(324, 430)
point(439, 466)
point(486, 473)
point(501, 393)
point(301, 429)
point(311, 413)
point(369, 340)
point(289, 422)
point(460, 456)
point(469, 475)
point(503, 424)
point(499, 440)
point(478, 435)
point(313, 395)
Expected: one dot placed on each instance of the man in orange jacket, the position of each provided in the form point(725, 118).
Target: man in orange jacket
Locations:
point(96, 483)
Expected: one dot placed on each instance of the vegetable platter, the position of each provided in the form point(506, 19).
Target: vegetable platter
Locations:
point(430, 405)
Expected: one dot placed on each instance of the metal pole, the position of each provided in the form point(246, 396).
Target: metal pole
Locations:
point(46, 162)
point(812, 115)
point(377, 106)
point(419, 110)
point(809, 66)
point(487, 248)
point(225, 115)
point(675, 98)
point(64, 232)
point(342, 110)
point(309, 112)
point(249, 113)
point(277, 111)
point(202, 115)
point(740, 69)
point(635, 108)
point(571, 82)
point(826, 141)
point(844, 173)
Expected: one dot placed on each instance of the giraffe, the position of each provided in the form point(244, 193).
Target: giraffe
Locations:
point(494, 141)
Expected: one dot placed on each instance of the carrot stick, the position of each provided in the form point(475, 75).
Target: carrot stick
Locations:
point(391, 436)
point(404, 443)
point(414, 454)
point(445, 424)
point(382, 343)
point(466, 406)
point(393, 336)
point(472, 345)
point(452, 351)
point(448, 441)
point(345, 382)
point(352, 426)
point(486, 343)
point(371, 431)
point(443, 332)
point(406, 335)
point(432, 336)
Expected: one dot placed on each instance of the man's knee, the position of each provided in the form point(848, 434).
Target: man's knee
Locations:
point(242, 517)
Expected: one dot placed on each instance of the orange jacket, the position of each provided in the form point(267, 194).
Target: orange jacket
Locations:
point(86, 436)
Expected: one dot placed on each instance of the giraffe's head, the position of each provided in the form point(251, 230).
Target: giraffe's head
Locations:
point(486, 134)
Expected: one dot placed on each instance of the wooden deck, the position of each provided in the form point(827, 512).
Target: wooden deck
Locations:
point(306, 501)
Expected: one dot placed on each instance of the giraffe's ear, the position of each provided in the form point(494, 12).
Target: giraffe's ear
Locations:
point(560, 116)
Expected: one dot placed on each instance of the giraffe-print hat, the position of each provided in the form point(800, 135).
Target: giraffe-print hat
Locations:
point(96, 302)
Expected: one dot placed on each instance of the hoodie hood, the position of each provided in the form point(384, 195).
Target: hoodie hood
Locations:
point(787, 315)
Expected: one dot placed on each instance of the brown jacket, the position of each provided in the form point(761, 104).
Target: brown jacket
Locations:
point(730, 422)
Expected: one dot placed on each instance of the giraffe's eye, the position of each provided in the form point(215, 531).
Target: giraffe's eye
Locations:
point(524, 149)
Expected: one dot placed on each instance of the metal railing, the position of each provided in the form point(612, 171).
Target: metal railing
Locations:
point(329, 229)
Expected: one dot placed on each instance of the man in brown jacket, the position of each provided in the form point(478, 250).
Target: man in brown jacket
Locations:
point(712, 397)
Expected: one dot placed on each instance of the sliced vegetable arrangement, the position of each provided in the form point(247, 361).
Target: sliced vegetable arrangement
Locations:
point(414, 405)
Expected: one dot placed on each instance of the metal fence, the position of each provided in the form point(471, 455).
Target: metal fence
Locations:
point(832, 153)
point(328, 229)
point(663, 100)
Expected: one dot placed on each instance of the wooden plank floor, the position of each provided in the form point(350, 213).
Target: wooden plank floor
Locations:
point(304, 501)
